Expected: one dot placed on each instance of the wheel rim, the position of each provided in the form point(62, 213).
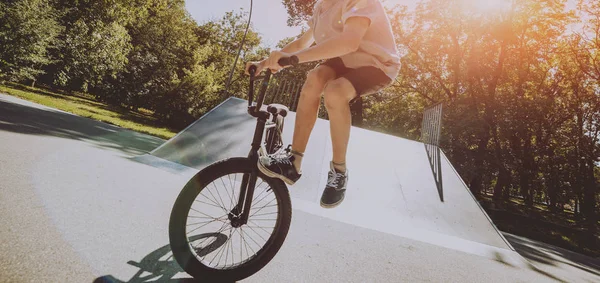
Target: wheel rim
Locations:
point(211, 214)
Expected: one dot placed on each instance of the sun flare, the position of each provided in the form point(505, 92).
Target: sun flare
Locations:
point(490, 5)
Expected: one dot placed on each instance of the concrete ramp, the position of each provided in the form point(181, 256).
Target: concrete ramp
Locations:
point(391, 186)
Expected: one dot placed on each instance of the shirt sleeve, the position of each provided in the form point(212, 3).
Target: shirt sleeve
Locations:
point(312, 19)
point(359, 8)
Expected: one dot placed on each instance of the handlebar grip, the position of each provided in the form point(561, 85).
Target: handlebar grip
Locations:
point(252, 69)
point(288, 61)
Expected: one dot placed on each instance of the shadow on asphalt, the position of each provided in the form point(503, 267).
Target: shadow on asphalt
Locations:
point(160, 266)
point(538, 252)
point(28, 120)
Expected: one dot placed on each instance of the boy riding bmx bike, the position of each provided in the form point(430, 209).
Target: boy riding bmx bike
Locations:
point(355, 39)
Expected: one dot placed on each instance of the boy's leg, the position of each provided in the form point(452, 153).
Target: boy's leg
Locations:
point(308, 107)
point(338, 95)
point(287, 166)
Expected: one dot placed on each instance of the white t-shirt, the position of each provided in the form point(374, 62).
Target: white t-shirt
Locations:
point(378, 47)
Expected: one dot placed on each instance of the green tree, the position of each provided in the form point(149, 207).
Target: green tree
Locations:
point(298, 11)
point(94, 44)
point(224, 37)
point(178, 68)
point(28, 29)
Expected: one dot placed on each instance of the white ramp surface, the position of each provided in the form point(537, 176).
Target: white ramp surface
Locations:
point(391, 186)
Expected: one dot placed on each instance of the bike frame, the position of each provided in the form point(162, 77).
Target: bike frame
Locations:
point(249, 180)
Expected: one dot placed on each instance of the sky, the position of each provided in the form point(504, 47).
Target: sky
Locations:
point(269, 17)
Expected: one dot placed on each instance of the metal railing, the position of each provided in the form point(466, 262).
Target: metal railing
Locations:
point(431, 135)
point(284, 91)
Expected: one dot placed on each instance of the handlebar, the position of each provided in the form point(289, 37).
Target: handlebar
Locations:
point(288, 61)
point(283, 62)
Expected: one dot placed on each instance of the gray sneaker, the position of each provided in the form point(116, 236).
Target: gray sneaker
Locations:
point(335, 190)
point(280, 165)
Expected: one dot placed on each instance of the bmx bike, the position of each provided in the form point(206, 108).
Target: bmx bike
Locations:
point(233, 200)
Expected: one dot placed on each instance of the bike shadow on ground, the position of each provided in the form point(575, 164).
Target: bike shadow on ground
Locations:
point(160, 266)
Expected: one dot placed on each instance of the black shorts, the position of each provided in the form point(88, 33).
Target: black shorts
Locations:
point(366, 80)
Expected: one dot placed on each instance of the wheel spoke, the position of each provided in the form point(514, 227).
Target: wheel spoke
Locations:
point(198, 223)
point(272, 205)
point(217, 204)
point(233, 198)
point(244, 240)
point(227, 191)
point(208, 203)
point(259, 195)
point(221, 250)
point(269, 213)
point(231, 245)
point(255, 213)
point(257, 233)
point(261, 182)
point(256, 203)
point(201, 217)
point(218, 232)
point(265, 189)
point(214, 219)
point(200, 227)
point(253, 252)
point(241, 245)
point(207, 214)
point(216, 201)
point(261, 227)
point(227, 245)
point(219, 194)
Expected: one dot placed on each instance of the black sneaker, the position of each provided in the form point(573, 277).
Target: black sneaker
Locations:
point(280, 165)
point(335, 190)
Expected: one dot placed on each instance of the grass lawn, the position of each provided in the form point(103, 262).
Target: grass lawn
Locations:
point(85, 106)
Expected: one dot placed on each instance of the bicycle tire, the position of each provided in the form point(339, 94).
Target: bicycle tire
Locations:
point(177, 224)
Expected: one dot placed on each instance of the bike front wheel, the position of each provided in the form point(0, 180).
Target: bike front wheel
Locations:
point(206, 240)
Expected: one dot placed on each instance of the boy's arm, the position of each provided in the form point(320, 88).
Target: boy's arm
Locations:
point(305, 41)
point(346, 42)
point(297, 45)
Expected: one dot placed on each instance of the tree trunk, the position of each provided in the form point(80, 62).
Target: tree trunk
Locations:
point(476, 184)
point(552, 189)
point(529, 169)
point(588, 205)
point(499, 162)
point(500, 189)
point(356, 109)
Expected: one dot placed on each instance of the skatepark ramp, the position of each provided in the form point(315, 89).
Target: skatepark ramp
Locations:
point(391, 186)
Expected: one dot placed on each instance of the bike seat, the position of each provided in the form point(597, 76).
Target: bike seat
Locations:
point(279, 109)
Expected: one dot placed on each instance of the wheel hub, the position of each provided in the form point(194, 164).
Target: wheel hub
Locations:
point(235, 220)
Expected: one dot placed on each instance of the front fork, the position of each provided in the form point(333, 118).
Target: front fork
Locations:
point(242, 210)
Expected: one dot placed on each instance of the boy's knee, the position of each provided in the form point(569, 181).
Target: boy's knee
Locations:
point(319, 76)
point(338, 93)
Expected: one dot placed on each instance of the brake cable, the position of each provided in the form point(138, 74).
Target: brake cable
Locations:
point(228, 84)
